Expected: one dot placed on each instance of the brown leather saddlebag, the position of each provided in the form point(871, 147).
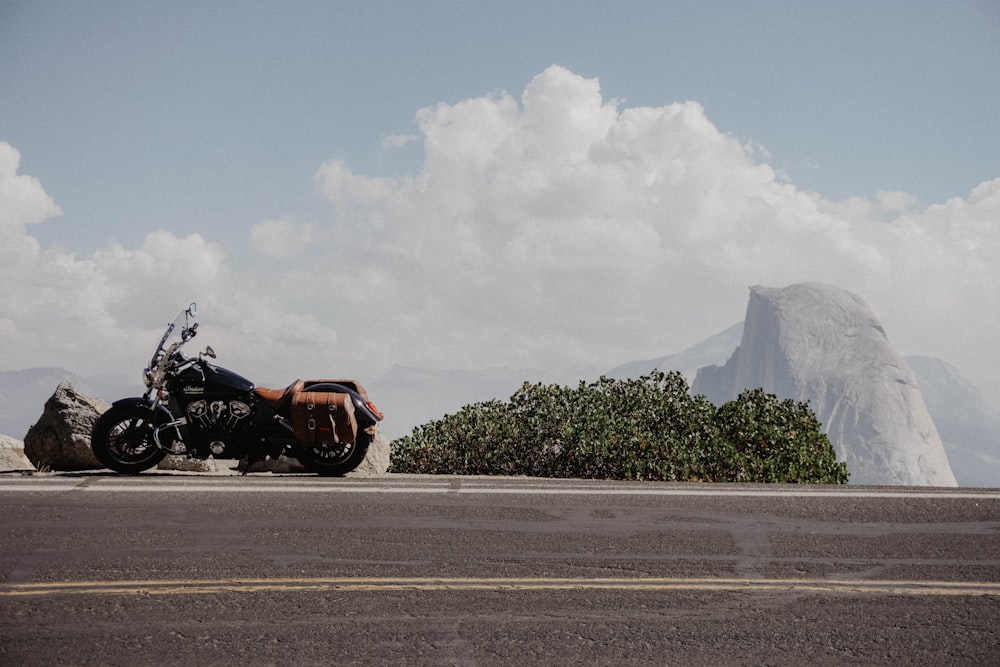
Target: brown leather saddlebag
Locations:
point(324, 417)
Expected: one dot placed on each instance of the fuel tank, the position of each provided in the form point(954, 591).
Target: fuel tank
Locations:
point(222, 379)
point(209, 380)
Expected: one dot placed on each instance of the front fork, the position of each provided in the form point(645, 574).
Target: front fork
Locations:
point(173, 424)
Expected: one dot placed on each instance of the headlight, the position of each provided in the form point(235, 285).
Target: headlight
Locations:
point(147, 378)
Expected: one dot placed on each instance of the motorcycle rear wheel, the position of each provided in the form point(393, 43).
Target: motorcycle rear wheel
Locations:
point(334, 460)
point(123, 439)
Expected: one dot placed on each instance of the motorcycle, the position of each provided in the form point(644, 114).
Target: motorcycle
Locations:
point(193, 407)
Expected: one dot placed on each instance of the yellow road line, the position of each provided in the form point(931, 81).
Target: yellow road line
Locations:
point(654, 584)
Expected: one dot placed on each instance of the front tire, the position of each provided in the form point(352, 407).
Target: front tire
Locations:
point(123, 439)
point(334, 460)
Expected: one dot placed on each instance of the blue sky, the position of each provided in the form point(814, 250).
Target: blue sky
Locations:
point(221, 130)
point(184, 114)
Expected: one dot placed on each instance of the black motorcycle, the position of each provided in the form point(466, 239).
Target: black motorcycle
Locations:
point(195, 408)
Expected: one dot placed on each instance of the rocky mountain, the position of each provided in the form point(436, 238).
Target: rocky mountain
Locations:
point(968, 425)
point(968, 428)
point(712, 351)
point(822, 344)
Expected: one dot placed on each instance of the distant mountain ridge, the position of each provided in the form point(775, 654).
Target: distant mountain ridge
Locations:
point(713, 351)
point(23, 394)
point(969, 427)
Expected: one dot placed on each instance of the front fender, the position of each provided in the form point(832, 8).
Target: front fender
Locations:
point(142, 401)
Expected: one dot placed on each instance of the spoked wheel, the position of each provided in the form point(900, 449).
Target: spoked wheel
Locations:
point(337, 459)
point(123, 439)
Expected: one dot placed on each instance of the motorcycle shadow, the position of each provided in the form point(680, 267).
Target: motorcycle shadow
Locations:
point(220, 468)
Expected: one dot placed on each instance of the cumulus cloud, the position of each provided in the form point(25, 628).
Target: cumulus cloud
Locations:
point(104, 312)
point(895, 201)
point(565, 228)
point(555, 229)
point(394, 141)
point(284, 238)
point(23, 201)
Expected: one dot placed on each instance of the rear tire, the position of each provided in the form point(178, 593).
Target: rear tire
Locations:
point(123, 439)
point(335, 460)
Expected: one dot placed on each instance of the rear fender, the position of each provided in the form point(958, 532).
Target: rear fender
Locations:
point(362, 410)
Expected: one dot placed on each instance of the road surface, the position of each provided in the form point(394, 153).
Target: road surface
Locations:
point(265, 569)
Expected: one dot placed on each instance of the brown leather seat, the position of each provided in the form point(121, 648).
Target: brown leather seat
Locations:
point(279, 399)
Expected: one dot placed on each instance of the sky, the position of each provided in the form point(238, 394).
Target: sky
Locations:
point(345, 186)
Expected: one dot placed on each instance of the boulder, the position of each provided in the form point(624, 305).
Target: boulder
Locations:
point(376, 461)
point(184, 464)
point(60, 439)
point(821, 344)
point(12, 454)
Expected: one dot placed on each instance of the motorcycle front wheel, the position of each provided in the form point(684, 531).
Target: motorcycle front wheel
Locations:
point(334, 460)
point(123, 439)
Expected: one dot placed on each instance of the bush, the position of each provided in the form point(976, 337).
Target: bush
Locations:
point(651, 428)
point(772, 440)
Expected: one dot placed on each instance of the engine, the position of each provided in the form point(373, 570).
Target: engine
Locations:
point(217, 416)
point(218, 422)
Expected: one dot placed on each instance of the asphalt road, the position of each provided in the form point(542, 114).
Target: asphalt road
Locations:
point(298, 570)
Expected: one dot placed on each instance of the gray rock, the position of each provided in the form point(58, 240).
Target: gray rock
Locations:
point(60, 439)
point(184, 464)
point(12, 454)
point(821, 344)
point(376, 461)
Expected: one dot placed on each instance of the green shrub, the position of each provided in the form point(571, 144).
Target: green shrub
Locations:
point(651, 428)
point(772, 440)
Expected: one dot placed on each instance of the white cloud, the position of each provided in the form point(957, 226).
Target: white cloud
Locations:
point(394, 141)
point(558, 230)
point(104, 312)
point(23, 201)
point(895, 201)
point(566, 229)
point(284, 238)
